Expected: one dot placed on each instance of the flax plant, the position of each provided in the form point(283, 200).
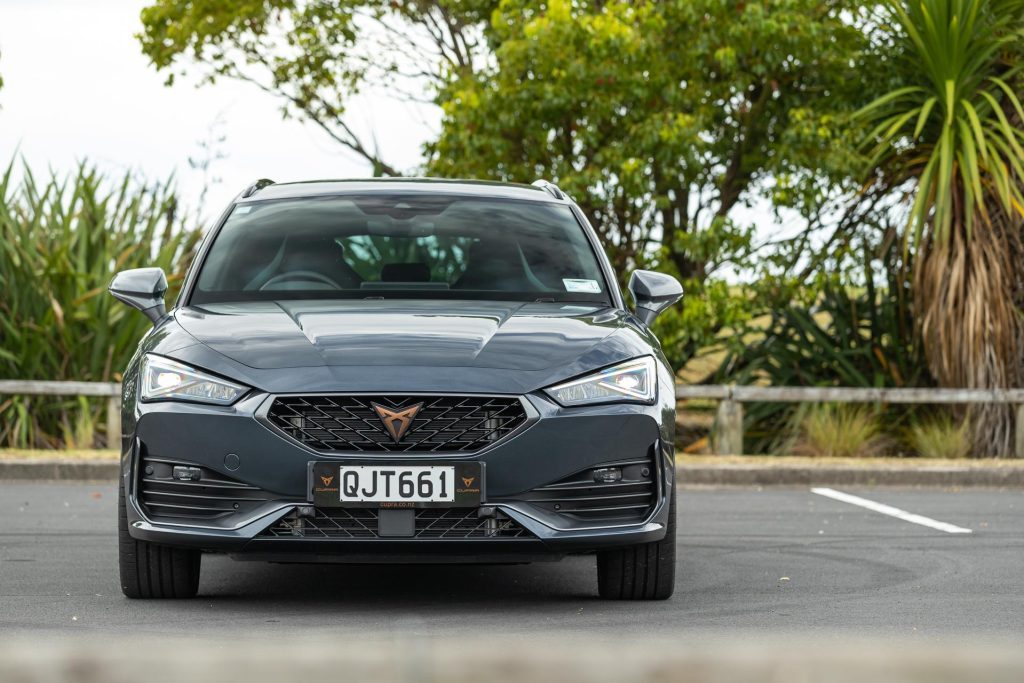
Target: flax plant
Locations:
point(61, 241)
point(953, 136)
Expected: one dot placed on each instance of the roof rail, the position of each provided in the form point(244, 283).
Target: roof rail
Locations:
point(550, 188)
point(256, 187)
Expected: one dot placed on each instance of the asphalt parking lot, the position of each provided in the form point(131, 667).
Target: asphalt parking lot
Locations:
point(768, 561)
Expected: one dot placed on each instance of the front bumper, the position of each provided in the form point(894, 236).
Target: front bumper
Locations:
point(234, 443)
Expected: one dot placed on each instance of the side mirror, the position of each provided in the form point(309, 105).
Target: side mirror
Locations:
point(142, 288)
point(653, 293)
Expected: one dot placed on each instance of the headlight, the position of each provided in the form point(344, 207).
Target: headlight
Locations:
point(634, 381)
point(166, 380)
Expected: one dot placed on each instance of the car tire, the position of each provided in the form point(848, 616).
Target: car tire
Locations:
point(153, 571)
point(646, 571)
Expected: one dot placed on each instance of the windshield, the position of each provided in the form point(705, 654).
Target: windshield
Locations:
point(401, 246)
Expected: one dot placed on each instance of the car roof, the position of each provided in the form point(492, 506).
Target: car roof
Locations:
point(469, 188)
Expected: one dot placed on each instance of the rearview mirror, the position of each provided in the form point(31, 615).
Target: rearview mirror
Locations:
point(142, 288)
point(653, 293)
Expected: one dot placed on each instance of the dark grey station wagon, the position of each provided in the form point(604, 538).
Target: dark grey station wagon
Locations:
point(398, 371)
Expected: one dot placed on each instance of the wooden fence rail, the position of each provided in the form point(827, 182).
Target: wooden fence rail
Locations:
point(110, 390)
point(729, 422)
point(728, 433)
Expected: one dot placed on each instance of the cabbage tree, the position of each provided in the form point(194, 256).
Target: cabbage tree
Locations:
point(952, 139)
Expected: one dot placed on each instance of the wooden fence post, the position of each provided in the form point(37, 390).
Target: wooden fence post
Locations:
point(1019, 432)
point(114, 422)
point(729, 428)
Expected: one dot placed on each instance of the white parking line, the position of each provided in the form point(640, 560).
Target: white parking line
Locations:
point(891, 511)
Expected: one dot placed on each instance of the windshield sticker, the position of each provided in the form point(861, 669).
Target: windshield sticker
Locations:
point(589, 286)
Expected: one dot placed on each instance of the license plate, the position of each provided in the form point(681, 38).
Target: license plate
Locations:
point(397, 485)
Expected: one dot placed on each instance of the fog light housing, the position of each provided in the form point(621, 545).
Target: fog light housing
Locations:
point(186, 473)
point(608, 475)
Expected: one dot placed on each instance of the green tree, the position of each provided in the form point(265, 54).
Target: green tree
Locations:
point(315, 55)
point(665, 120)
point(660, 117)
point(953, 135)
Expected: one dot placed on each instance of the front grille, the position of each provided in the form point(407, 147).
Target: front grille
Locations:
point(211, 496)
point(443, 424)
point(581, 497)
point(430, 523)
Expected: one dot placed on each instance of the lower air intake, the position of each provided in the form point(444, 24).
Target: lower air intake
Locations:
point(361, 523)
point(624, 491)
point(170, 489)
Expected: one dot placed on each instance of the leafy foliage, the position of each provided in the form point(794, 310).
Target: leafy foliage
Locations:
point(61, 241)
point(829, 333)
point(955, 130)
point(316, 56)
point(660, 118)
point(954, 134)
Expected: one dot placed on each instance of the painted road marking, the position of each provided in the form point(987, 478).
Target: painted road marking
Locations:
point(891, 511)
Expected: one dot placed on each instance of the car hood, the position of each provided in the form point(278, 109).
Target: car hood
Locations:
point(364, 333)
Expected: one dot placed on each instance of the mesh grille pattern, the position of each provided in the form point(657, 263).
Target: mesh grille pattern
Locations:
point(211, 496)
point(431, 523)
point(443, 424)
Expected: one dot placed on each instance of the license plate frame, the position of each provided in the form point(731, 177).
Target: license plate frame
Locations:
point(325, 482)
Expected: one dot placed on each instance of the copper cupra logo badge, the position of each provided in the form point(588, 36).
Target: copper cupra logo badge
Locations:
point(397, 422)
point(326, 480)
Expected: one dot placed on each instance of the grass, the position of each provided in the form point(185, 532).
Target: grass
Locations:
point(941, 437)
point(839, 431)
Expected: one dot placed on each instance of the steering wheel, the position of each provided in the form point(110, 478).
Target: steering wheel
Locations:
point(300, 275)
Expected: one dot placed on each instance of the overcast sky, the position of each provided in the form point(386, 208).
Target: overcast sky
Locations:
point(76, 86)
